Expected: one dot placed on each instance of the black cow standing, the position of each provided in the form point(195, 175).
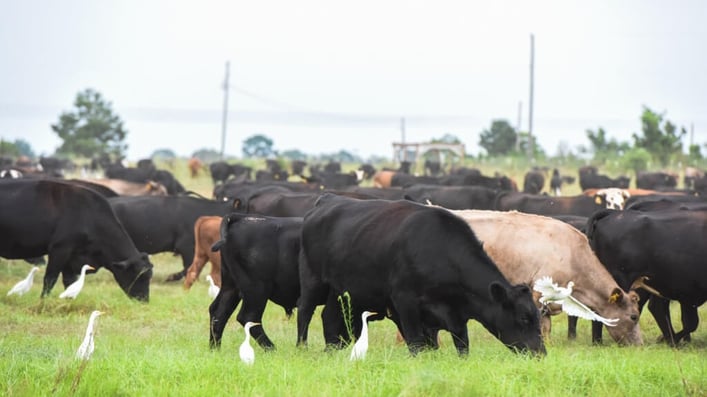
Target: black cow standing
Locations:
point(74, 226)
point(421, 265)
point(259, 262)
point(664, 241)
point(166, 223)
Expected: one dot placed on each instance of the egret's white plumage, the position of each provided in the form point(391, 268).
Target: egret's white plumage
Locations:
point(552, 293)
point(72, 291)
point(246, 350)
point(22, 287)
point(361, 346)
point(86, 349)
point(213, 288)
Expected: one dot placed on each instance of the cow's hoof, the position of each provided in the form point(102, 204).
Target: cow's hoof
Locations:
point(175, 277)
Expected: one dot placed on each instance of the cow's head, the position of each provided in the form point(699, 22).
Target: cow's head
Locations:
point(623, 306)
point(612, 198)
point(515, 320)
point(133, 275)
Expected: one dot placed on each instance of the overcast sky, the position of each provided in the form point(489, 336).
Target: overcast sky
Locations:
point(320, 76)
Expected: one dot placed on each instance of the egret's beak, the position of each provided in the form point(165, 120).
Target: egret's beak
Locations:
point(373, 313)
point(256, 323)
point(92, 268)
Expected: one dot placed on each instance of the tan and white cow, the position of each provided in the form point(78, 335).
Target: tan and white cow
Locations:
point(527, 247)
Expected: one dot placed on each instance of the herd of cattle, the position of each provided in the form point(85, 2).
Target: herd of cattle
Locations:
point(428, 252)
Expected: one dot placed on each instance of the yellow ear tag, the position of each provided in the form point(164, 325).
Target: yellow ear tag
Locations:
point(614, 298)
point(597, 199)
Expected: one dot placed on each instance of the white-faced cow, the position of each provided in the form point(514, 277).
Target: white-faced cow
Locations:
point(74, 226)
point(421, 265)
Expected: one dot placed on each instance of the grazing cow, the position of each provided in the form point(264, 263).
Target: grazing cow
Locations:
point(589, 178)
point(661, 240)
point(383, 179)
point(144, 175)
point(269, 176)
point(332, 167)
point(147, 165)
point(368, 171)
point(195, 165)
point(527, 247)
point(433, 168)
point(656, 180)
point(336, 180)
point(421, 265)
point(297, 167)
point(547, 205)
point(472, 179)
point(165, 224)
point(74, 226)
point(533, 182)
point(692, 174)
point(454, 197)
point(206, 233)
point(220, 171)
point(382, 193)
point(260, 263)
point(55, 167)
point(273, 166)
point(126, 188)
point(402, 180)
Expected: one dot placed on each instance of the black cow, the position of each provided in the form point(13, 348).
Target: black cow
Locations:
point(269, 176)
point(433, 168)
point(400, 179)
point(656, 180)
point(422, 265)
point(165, 223)
point(142, 175)
point(220, 171)
point(557, 181)
point(368, 171)
point(473, 179)
point(259, 262)
point(332, 167)
point(548, 205)
point(74, 226)
point(454, 197)
point(664, 241)
point(533, 182)
point(297, 167)
point(589, 178)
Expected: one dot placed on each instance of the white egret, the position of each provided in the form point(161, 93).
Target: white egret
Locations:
point(22, 287)
point(86, 349)
point(213, 288)
point(246, 350)
point(552, 293)
point(72, 291)
point(361, 346)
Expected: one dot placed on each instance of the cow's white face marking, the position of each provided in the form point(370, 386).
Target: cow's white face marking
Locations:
point(14, 174)
point(359, 175)
point(615, 198)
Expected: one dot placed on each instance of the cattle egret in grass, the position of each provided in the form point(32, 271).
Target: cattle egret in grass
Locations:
point(213, 288)
point(24, 286)
point(552, 293)
point(361, 346)
point(72, 291)
point(86, 349)
point(246, 350)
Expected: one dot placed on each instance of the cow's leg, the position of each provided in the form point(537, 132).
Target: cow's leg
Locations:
point(68, 277)
point(336, 335)
point(460, 336)
point(58, 258)
point(254, 302)
point(407, 308)
point(572, 327)
point(215, 260)
point(690, 320)
point(185, 248)
point(194, 269)
point(660, 309)
point(597, 329)
point(222, 308)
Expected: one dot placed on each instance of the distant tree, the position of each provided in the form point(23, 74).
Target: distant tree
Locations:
point(258, 146)
point(661, 142)
point(695, 153)
point(19, 147)
point(500, 139)
point(91, 129)
point(163, 154)
point(207, 155)
point(24, 148)
point(604, 148)
point(523, 140)
point(294, 154)
point(636, 159)
point(447, 138)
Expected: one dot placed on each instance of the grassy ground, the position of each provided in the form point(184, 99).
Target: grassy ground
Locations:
point(161, 349)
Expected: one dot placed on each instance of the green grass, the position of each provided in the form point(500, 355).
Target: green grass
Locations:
point(161, 349)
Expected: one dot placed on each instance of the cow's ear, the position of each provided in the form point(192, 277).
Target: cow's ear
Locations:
point(616, 296)
point(498, 292)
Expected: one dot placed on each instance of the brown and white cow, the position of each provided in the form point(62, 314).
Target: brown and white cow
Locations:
point(206, 233)
point(526, 247)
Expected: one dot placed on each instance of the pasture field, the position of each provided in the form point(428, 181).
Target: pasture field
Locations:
point(161, 349)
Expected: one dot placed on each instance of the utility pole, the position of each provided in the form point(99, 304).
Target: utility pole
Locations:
point(402, 139)
point(518, 124)
point(224, 118)
point(531, 149)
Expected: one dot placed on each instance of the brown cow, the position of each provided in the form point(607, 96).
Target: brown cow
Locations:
point(195, 165)
point(126, 188)
point(383, 178)
point(526, 247)
point(206, 233)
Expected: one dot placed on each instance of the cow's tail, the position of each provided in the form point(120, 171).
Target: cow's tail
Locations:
point(225, 223)
point(592, 222)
